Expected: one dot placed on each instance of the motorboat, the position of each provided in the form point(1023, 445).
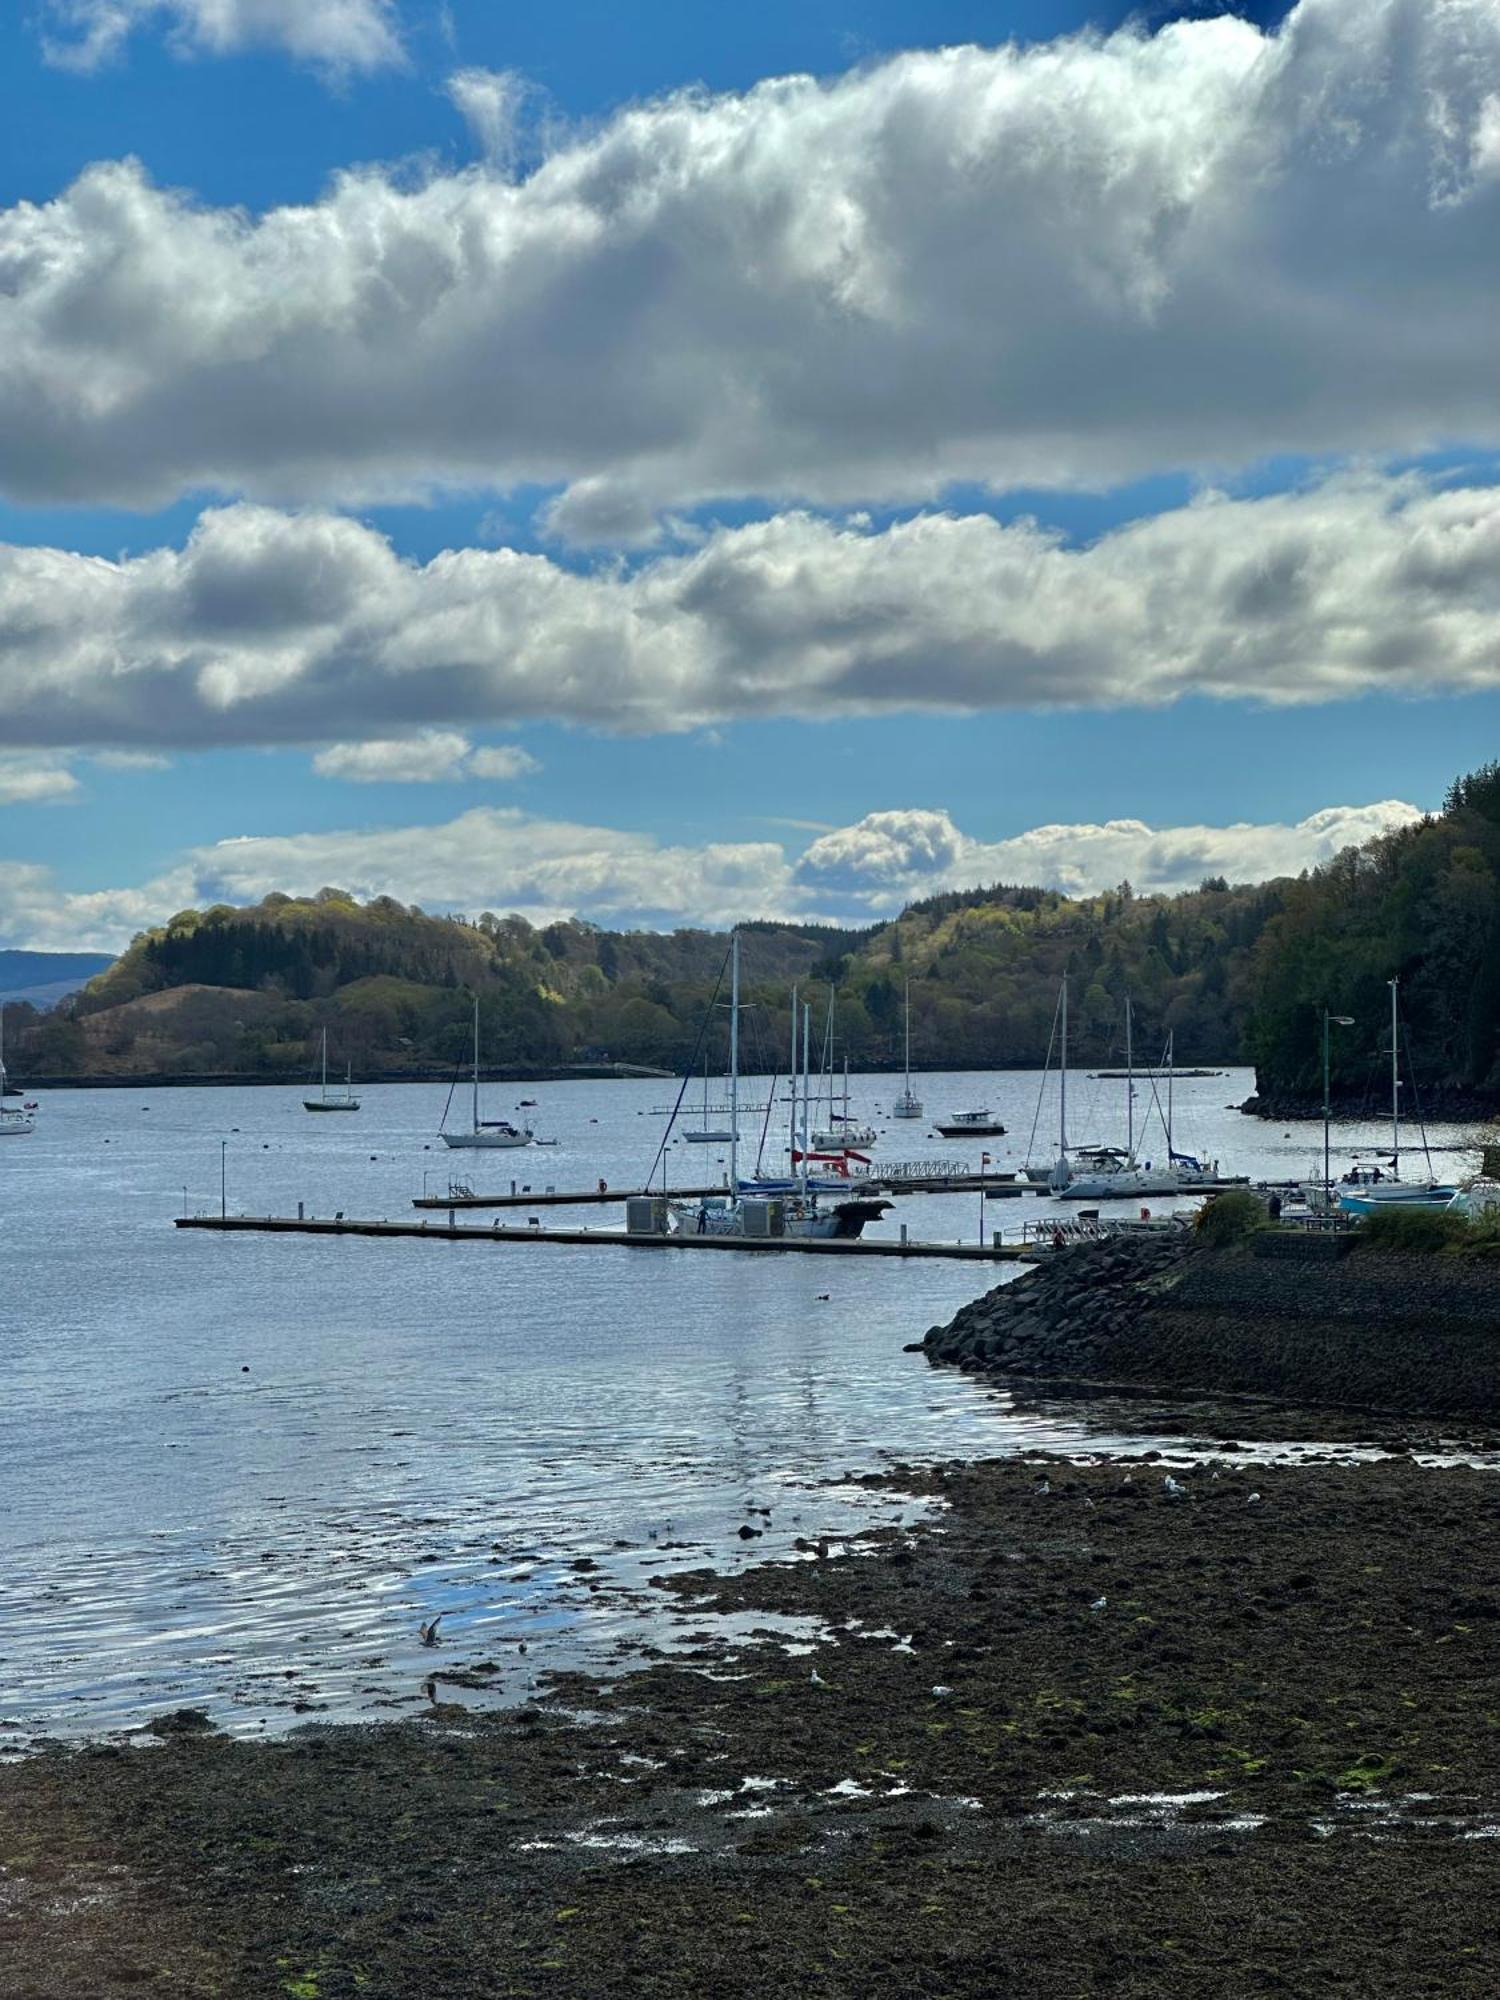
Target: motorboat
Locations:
point(971, 1125)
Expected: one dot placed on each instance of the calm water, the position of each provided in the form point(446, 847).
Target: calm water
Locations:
point(240, 1471)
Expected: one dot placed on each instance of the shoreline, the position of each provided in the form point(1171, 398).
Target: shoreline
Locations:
point(1074, 1725)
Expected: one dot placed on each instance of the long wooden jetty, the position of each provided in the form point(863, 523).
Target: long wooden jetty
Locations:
point(993, 1190)
point(453, 1232)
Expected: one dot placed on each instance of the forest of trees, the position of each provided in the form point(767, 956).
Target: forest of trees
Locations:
point(1233, 973)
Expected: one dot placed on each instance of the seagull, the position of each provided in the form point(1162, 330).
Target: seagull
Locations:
point(1043, 1485)
point(817, 1679)
point(1098, 1604)
point(429, 1632)
point(942, 1693)
point(1175, 1489)
point(1253, 1500)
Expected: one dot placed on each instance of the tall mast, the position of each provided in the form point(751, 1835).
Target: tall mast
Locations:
point(908, 1038)
point(1062, 1117)
point(795, 1079)
point(1129, 1085)
point(325, 1062)
point(806, 1084)
point(1171, 1065)
point(734, 1066)
point(476, 1062)
point(1395, 1086)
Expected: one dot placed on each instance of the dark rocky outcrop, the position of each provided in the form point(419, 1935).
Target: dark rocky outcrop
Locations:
point(1281, 1314)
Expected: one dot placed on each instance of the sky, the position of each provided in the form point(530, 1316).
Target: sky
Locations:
point(673, 464)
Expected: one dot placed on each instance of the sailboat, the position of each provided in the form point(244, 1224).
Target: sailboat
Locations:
point(771, 1208)
point(14, 1124)
point(1108, 1174)
point(1366, 1189)
point(336, 1100)
point(842, 1130)
point(907, 1105)
point(487, 1132)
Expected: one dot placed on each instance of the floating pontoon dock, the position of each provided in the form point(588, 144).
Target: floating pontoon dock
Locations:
point(993, 1190)
point(452, 1232)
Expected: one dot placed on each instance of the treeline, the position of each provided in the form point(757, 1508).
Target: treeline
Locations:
point(1231, 973)
point(1421, 905)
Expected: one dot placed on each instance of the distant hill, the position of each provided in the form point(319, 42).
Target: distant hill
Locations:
point(1232, 973)
point(247, 991)
point(43, 977)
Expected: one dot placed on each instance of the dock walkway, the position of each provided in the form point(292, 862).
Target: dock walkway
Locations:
point(452, 1232)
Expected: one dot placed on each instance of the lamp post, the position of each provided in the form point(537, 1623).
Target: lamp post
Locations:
point(1329, 1021)
point(223, 1179)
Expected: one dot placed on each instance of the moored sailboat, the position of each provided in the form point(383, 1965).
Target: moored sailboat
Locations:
point(335, 1100)
point(490, 1132)
point(907, 1105)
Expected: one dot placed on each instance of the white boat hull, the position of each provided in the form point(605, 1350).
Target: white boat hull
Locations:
point(487, 1141)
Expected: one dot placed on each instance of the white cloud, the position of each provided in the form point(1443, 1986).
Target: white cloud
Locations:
point(35, 781)
point(489, 102)
point(503, 859)
point(336, 35)
point(434, 756)
point(1064, 264)
point(891, 857)
point(276, 628)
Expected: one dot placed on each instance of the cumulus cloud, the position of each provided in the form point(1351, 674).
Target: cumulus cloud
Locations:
point(269, 627)
point(1067, 263)
point(503, 859)
point(337, 35)
point(433, 756)
point(890, 857)
point(35, 781)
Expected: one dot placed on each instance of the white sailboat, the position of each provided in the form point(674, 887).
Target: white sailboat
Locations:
point(907, 1105)
point(335, 1100)
point(1113, 1176)
point(487, 1132)
point(15, 1123)
point(1366, 1189)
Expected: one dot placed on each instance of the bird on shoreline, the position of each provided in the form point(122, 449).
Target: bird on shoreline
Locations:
point(429, 1631)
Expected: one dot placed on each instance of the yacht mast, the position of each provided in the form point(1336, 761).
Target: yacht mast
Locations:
point(1129, 1086)
point(1171, 1065)
point(908, 1038)
point(476, 1062)
point(1395, 1086)
point(734, 1068)
point(325, 1062)
point(1062, 1117)
point(806, 1085)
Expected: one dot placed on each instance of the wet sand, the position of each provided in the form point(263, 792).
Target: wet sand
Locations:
point(1078, 1734)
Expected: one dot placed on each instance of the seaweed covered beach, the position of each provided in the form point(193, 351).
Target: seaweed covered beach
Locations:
point(1225, 1728)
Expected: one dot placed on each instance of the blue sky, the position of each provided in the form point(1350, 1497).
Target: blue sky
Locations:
point(772, 737)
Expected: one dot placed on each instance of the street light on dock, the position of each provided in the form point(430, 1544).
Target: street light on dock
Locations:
point(1329, 1021)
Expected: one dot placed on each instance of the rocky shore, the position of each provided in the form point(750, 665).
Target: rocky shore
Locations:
point(1193, 1730)
point(1315, 1321)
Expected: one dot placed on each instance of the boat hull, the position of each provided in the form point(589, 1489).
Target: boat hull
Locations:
point(1377, 1201)
point(970, 1131)
point(312, 1104)
point(489, 1142)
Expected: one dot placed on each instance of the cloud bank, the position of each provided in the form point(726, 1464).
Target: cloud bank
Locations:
point(270, 628)
point(1062, 264)
point(504, 859)
point(336, 35)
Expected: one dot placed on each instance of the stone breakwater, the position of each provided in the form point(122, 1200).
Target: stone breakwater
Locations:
point(1280, 1315)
